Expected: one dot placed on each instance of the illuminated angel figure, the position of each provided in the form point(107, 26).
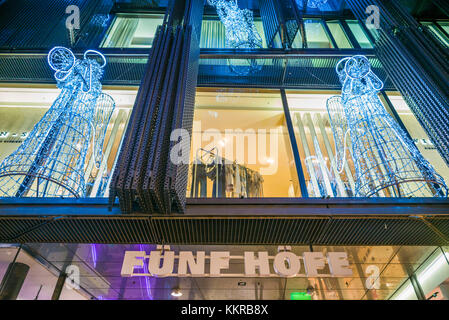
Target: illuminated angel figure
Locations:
point(51, 160)
point(387, 162)
point(240, 33)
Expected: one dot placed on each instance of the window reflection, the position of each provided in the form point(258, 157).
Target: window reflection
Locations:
point(7, 255)
point(418, 134)
point(316, 146)
point(359, 34)
point(132, 31)
point(437, 32)
point(23, 107)
point(339, 34)
point(444, 25)
point(213, 33)
point(432, 277)
point(240, 146)
point(317, 36)
point(317, 150)
point(378, 273)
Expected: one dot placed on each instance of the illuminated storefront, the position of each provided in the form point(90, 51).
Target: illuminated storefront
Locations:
point(379, 273)
point(256, 206)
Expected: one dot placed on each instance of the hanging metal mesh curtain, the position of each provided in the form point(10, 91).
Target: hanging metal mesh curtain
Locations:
point(387, 162)
point(50, 162)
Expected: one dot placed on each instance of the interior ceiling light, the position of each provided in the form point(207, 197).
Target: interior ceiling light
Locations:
point(176, 293)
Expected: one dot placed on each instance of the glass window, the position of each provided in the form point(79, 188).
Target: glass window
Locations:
point(316, 146)
point(359, 34)
point(240, 146)
point(418, 134)
point(444, 25)
point(317, 36)
point(132, 31)
point(7, 254)
point(297, 41)
point(27, 278)
point(378, 272)
point(21, 108)
point(437, 32)
point(318, 153)
point(213, 33)
point(433, 275)
point(339, 34)
point(405, 292)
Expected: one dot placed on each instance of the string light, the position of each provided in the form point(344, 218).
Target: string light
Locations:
point(240, 33)
point(316, 3)
point(386, 160)
point(50, 162)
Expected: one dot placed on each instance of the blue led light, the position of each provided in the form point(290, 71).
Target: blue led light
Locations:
point(51, 160)
point(240, 33)
point(316, 3)
point(386, 161)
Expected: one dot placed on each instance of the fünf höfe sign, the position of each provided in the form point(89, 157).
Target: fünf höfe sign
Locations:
point(161, 263)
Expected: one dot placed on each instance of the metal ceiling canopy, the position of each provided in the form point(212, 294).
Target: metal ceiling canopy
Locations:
point(270, 221)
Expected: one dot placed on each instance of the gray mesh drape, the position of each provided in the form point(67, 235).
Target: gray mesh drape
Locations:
point(145, 177)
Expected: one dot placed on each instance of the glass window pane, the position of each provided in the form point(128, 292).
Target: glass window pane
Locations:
point(316, 146)
point(213, 33)
point(21, 108)
point(297, 41)
point(433, 275)
point(259, 26)
point(419, 135)
point(245, 130)
point(437, 32)
point(339, 34)
point(405, 292)
point(40, 281)
point(444, 25)
point(378, 273)
point(317, 36)
point(7, 254)
point(132, 31)
point(359, 34)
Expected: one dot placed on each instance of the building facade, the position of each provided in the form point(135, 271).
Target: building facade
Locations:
point(221, 149)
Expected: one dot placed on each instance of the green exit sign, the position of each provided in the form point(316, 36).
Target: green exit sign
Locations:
point(300, 296)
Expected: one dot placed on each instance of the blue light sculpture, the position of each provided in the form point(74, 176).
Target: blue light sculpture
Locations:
point(316, 3)
point(387, 162)
point(240, 33)
point(51, 160)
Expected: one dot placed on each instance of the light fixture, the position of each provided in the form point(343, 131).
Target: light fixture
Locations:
point(176, 292)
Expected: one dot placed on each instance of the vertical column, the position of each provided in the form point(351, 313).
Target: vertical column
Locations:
point(294, 144)
point(70, 254)
point(13, 280)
